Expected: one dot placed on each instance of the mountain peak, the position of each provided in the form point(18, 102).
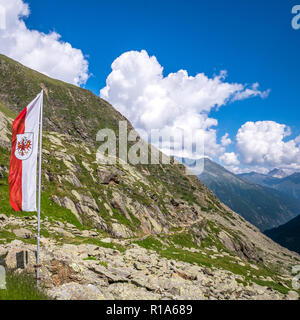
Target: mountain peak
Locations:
point(279, 173)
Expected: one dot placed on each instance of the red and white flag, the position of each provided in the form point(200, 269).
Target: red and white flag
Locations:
point(23, 164)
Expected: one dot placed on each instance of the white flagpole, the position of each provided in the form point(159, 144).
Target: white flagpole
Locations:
point(39, 194)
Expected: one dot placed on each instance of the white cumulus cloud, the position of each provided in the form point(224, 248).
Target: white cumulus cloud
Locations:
point(225, 140)
point(229, 159)
point(138, 89)
point(45, 53)
point(263, 143)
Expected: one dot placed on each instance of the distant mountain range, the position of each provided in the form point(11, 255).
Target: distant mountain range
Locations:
point(254, 200)
point(279, 173)
point(289, 185)
point(288, 235)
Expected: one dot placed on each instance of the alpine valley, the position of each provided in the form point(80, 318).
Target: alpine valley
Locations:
point(257, 202)
point(129, 232)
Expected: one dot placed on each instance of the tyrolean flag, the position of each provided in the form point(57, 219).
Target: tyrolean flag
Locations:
point(23, 164)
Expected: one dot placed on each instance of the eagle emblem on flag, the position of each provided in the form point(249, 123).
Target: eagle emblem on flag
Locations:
point(24, 146)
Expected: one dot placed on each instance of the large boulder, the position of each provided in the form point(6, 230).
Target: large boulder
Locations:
point(106, 177)
point(61, 272)
point(23, 233)
point(86, 200)
point(242, 249)
point(76, 291)
point(72, 179)
point(21, 258)
point(120, 231)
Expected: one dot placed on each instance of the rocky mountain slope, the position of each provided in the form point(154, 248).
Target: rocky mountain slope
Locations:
point(289, 185)
point(287, 235)
point(123, 231)
point(264, 207)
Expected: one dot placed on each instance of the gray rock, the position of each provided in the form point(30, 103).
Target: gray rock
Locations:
point(76, 291)
point(23, 233)
point(87, 201)
point(121, 231)
point(69, 204)
point(89, 234)
point(293, 295)
point(106, 177)
point(3, 217)
point(64, 233)
point(21, 258)
point(71, 178)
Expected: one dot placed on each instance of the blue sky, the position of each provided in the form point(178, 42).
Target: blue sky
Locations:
point(253, 40)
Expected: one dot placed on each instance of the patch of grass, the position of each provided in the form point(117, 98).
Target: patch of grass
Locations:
point(10, 236)
point(56, 213)
point(90, 259)
point(104, 264)
point(122, 219)
point(244, 283)
point(134, 219)
point(150, 243)
point(45, 233)
point(22, 287)
point(184, 240)
point(273, 285)
point(176, 229)
point(7, 112)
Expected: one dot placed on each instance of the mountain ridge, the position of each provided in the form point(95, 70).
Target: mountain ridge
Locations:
point(102, 215)
point(289, 185)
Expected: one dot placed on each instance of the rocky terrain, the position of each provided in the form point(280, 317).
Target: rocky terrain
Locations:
point(124, 269)
point(122, 231)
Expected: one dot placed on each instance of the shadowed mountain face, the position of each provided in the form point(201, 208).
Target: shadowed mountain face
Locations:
point(262, 206)
point(289, 185)
point(287, 235)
